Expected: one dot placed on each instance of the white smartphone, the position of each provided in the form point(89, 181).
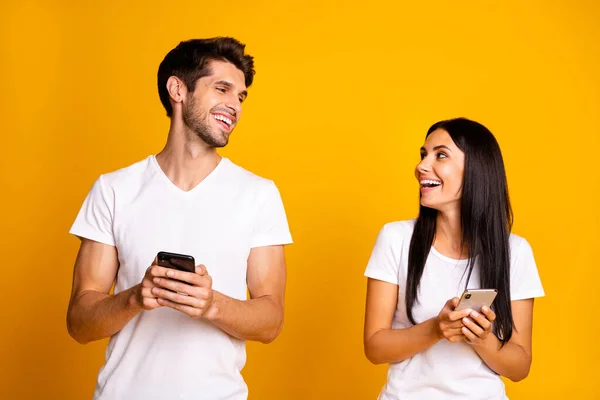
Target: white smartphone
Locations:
point(476, 298)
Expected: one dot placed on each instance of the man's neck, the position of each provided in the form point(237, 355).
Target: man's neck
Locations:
point(186, 160)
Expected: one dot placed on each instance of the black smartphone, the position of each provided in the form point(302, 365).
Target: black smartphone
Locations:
point(181, 262)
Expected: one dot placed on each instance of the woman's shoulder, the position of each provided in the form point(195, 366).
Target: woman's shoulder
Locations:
point(518, 243)
point(399, 229)
point(519, 248)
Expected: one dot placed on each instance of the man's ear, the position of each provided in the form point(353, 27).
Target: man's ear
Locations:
point(177, 89)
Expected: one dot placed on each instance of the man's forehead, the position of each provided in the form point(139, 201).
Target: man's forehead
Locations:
point(226, 72)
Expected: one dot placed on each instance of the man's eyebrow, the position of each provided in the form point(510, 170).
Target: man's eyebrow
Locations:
point(230, 85)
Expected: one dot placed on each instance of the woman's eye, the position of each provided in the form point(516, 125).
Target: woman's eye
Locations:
point(422, 156)
point(442, 155)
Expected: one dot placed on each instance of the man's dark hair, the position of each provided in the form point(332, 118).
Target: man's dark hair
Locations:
point(190, 60)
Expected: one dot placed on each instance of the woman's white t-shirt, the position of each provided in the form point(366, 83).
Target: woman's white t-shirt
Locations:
point(445, 370)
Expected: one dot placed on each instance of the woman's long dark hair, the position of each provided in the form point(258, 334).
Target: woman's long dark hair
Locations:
point(486, 221)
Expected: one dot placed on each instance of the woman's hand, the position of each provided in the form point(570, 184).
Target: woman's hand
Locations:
point(477, 326)
point(450, 322)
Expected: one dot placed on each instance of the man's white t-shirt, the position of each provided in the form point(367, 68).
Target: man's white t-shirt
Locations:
point(163, 353)
point(445, 370)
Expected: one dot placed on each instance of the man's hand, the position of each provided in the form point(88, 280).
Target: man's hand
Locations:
point(143, 296)
point(190, 293)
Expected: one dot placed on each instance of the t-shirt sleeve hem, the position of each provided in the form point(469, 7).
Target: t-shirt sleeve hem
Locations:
point(527, 295)
point(380, 276)
point(263, 242)
point(96, 236)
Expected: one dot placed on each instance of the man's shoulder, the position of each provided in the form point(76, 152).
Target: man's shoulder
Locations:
point(243, 177)
point(125, 175)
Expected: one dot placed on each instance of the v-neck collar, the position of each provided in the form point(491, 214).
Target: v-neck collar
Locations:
point(202, 184)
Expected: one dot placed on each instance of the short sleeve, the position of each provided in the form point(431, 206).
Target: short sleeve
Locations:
point(385, 257)
point(95, 217)
point(525, 280)
point(271, 226)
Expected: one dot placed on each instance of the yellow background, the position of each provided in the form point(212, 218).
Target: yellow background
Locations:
point(343, 95)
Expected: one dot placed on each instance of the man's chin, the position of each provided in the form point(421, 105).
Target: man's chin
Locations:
point(216, 142)
point(222, 141)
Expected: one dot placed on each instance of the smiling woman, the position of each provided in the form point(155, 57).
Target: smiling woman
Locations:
point(440, 170)
point(460, 240)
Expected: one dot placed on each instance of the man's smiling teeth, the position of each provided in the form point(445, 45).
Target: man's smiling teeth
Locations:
point(429, 183)
point(224, 119)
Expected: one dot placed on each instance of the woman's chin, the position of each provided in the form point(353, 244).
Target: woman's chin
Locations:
point(429, 204)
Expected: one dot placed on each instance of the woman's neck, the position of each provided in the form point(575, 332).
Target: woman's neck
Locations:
point(448, 236)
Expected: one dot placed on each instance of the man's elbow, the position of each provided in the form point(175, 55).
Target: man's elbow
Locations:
point(75, 335)
point(268, 339)
point(272, 334)
point(74, 332)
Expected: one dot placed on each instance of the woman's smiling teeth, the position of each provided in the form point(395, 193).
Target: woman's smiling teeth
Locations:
point(430, 183)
